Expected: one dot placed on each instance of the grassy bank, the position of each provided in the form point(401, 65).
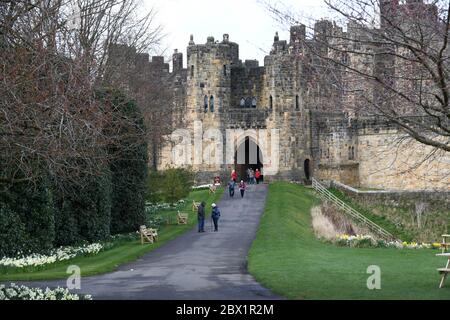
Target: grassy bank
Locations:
point(381, 220)
point(287, 258)
point(434, 223)
point(107, 261)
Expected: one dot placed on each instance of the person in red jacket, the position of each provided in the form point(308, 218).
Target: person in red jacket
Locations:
point(234, 175)
point(242, 187)
point(257, 175)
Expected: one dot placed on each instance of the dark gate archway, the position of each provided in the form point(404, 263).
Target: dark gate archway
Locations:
point(307, 169)
point(248, 155)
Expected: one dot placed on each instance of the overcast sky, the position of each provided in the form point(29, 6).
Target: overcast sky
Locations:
point(246, 21)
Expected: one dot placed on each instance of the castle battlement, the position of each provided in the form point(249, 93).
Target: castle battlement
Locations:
point(323, 130)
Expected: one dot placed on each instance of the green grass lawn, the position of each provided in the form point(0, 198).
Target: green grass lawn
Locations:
point(109, 260)
point(287, 258)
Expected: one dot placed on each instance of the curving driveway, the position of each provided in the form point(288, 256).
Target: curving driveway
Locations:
point(195, 266)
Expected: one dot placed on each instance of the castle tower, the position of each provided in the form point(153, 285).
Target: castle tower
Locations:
point(322, 34)
point(177, 61)
point(388, 12)
point(209, 76)
point(285, 92)
point(209, 82)
point(298, 37)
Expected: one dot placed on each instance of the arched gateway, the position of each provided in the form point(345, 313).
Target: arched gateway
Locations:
point(248, 155)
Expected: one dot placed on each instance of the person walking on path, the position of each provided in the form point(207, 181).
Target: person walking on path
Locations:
point(231, 186)
point(257, 175)
point(234, 175)
point(251, 176)
point(242, 187)
point(201, 217)
point(249, 172)
point(215, 215)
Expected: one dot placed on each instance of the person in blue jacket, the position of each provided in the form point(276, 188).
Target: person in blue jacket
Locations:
point(215, 215)
point(231, 186)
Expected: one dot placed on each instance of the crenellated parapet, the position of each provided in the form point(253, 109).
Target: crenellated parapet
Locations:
point(322, 131)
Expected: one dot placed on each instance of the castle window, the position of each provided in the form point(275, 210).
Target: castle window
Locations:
point(205, 103)
point(211, 104)
point(297, 102)
point(248, 103)
point(351, 153)
point(192, 71)
point(254, 102)
point(344, 58)
point(242, 103)
point(271, 102)
point(224, 70)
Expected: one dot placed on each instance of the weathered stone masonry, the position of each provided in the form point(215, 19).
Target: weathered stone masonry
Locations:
point(316, 130)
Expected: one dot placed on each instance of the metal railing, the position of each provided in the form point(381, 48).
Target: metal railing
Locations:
point(326, 194)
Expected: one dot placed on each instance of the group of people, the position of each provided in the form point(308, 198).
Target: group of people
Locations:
point(253, 177)
point(232, 185)
point(215, 215)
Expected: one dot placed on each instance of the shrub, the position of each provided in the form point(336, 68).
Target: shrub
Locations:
point(12, 232)
point(129, 165)
point(364, 243)
point(154, 186)
point(170, 185)
point(84, 211)
point(27, 218)
point(154, 221)
point(95, 214)
point(177, 184)
point(129, 187)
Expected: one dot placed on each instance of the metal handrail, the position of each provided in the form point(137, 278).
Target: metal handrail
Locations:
point(351, 211)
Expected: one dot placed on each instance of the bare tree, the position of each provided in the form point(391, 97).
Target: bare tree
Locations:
point(151, 85)
point(53, 60)
point(391, 59)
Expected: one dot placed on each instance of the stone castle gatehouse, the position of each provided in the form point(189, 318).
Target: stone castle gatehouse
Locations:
point(307, 125)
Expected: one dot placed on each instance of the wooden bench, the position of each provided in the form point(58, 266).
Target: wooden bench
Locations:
point(444, 271)
point(195, 205)
point(445, 244)
point(182, 218)
point(148, 234)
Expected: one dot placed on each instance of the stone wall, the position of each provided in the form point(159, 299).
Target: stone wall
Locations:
point(335, 147)
point(247, 83)
point(434, 200)
point(316, 123)
point(389, 159)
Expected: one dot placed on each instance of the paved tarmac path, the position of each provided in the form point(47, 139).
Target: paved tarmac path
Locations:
point(203, 266)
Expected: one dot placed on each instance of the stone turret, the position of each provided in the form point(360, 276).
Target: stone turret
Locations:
point(279, 46)
point(388, 11)
point(177, 61)
point(298, 34)
point(191, 41)
point(209, 77)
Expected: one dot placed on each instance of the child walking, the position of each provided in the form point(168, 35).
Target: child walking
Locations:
point(242, 187)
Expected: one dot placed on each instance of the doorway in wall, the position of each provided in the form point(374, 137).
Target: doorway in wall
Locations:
point(248, 155)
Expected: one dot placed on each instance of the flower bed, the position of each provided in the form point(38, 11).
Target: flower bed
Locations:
point(60, 254)
point(366, 241)
point(15, 292)
point(155, 207)
point(157, 212)
point(202, 187)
